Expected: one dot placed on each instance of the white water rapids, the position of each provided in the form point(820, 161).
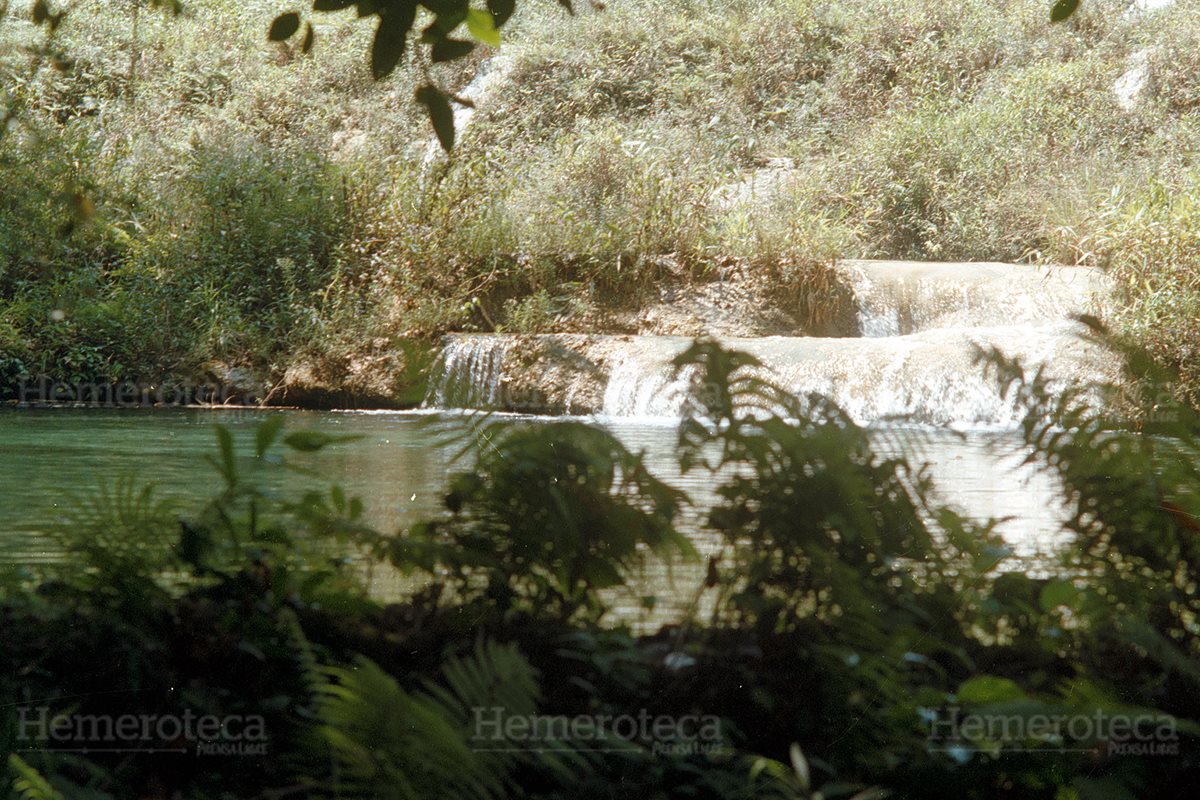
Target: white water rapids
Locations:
point(920, 327)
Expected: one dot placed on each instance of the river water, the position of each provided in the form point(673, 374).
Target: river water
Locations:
point(400, 465)
point(909, 375)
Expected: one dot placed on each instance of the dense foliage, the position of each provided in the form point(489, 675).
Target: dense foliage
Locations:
point(842, 612)
point(242, 210)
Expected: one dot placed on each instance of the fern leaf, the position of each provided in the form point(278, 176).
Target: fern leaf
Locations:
point(28, 783)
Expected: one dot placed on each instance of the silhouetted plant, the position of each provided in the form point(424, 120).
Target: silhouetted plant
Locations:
point(549, 516)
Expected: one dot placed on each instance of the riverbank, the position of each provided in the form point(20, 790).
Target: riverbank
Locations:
point(251, 210)
point(244, 627)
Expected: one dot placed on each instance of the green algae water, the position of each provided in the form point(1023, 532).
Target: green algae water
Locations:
point(400, 463)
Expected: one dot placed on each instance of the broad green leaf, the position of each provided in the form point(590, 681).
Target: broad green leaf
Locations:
point(482, 26)
point(1058, 593)
point(988, 689)
point(990, 557)
point(284, 27)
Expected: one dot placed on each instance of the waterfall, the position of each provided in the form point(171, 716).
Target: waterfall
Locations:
point(469, 373)
point(921, 326)
point(929, 377)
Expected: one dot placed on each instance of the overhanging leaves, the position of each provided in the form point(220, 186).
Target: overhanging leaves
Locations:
point(1063, 9)
point(440, 114)
point(450, 49)
point(501, 10)
point(284, 27)
point(391, 37)
point(483, 27)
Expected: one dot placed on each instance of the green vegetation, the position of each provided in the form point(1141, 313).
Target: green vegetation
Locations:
point(261, 208)
point(848, 612)
point(186, 199)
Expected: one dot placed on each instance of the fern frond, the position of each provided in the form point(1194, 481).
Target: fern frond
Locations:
point(306, 659)
point(391, 744)
point(28, 783)
point(121, 530)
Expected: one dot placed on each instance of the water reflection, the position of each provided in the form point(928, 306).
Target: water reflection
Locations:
point(400, 464)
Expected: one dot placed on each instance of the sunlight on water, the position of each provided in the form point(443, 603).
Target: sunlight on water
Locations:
point(400, 465)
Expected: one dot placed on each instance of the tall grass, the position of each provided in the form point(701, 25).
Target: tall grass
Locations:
point(259, 207)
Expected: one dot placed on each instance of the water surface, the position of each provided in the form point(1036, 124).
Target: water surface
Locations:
point(400, 464)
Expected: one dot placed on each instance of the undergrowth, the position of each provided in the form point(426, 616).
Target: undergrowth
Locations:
point(850, 635)
point(260, 208)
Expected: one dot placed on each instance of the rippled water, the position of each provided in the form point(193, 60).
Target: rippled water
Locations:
point(400, 464)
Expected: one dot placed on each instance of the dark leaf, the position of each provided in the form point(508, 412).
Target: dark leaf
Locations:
point(307, 45)
point(284, 27)
point(1063, 9)
point(442, 24)
point(266, 433)
point(310, 441)
point(41, 12)
point(450, 49)
point(331, 5)
point(391, 37)
point(447, 8)
point(501, 10)
point(194, 544)
point(567, 5)
point(440, 114)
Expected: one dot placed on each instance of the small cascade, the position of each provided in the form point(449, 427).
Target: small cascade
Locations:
point(923, 326)
point(896, 298)
point(930, 378)
point(469, 373)
point(642, 382)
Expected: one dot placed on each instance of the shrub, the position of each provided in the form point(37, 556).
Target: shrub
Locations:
point(1147, 239)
